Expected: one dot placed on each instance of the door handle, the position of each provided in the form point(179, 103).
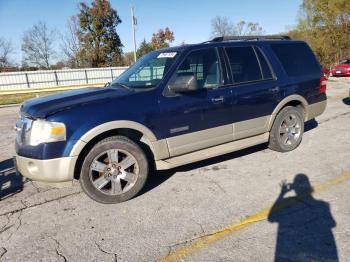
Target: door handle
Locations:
point(274, 89)
point(217, 100)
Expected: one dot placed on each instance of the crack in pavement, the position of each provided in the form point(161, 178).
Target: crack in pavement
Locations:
point(6, 227)
point(106, 252)
point(200, 225)
point(19, 225)
point(57, 249)
point(25, 206)
point(333, 117)
point(2, 252)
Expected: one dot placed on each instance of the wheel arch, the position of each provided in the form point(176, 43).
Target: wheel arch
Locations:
point(133, 130)
point(293, 100)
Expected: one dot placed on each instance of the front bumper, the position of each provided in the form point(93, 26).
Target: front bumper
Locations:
point(49, 170)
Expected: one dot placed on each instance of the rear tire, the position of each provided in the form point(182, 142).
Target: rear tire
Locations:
point(287, 130)
point(114, 171)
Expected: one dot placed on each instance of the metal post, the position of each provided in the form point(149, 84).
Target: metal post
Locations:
point(56, 78)
point(133, 23)
point(112, 74)
point(86, 77)
point(27, 80)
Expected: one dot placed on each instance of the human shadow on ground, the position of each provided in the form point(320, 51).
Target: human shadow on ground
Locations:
point(10, 182)
point(304, 224)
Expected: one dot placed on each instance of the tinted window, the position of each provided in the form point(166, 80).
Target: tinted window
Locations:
point(265, 68)
point(346, 61)
point(297, 59)
point(244, 65)
point(204, 65)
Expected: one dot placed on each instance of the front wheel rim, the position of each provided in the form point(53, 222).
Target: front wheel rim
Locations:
point(114, 172)
point(290, 130)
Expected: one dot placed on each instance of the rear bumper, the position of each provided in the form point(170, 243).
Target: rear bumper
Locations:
point(50, 170)
point(315, 109)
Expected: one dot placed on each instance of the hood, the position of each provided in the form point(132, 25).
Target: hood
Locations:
point(51, 104)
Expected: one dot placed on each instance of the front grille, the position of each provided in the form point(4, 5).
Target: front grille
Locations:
point(340, 69)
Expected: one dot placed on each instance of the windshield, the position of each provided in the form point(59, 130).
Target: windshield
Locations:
point(148, 71)
point(345, 61)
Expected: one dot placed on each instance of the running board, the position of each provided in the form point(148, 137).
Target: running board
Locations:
point(211, 152)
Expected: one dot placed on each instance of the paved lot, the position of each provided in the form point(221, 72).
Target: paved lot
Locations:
point(215, 210)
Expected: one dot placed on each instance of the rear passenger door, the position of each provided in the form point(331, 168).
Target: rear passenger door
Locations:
point(255, 92)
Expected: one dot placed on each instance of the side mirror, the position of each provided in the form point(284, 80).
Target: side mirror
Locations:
point(184, 83)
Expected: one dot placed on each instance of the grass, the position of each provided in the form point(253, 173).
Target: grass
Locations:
point(20, 98)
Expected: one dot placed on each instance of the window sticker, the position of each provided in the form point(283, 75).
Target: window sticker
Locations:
point(167, 55)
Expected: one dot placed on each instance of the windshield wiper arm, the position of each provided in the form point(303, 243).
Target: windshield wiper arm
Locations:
point(122, 85)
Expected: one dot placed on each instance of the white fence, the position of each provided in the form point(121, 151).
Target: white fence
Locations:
point(57, 78)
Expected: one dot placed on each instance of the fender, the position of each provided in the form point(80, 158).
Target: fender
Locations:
point(148, 136)
point(285, 101)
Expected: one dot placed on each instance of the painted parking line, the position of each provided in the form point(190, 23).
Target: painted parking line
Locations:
point(208, 239)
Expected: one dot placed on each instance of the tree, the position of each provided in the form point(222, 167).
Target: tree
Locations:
point(128, 58)
point(37, 46)
point(70, 43)
point(223, 26)
point(144, 48)
point(325, 25)
point(100, 43)
point(162, 38)
point(6, 49)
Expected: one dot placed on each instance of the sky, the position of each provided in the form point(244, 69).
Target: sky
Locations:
point(189, 20)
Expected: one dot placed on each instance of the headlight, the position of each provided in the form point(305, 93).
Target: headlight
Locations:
point(43, 131)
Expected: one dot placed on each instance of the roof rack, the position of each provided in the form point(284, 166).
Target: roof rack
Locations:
point(249, 38)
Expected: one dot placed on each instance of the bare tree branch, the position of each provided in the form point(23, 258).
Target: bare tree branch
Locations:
point(6, 49)
point(70, 43)
point(222, 26)
point(37, 46)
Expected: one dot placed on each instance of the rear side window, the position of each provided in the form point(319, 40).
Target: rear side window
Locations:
point(297, 59)
point(265, 68)
point(244, 64)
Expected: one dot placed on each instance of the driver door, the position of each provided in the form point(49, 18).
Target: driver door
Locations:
point(202, 118)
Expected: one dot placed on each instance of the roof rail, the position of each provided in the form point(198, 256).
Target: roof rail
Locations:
point(249, 38)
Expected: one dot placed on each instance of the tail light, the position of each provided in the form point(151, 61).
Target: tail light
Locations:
point(323, 84)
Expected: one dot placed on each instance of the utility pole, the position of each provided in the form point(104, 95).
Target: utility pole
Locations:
point(133, 24)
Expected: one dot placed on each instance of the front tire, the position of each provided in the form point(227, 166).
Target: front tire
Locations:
point(287, 130)
point(114, 171)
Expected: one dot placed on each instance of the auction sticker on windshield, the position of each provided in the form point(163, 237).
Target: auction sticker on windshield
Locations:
point(167, 55)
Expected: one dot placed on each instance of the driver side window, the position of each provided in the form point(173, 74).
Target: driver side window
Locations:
point(204, 65)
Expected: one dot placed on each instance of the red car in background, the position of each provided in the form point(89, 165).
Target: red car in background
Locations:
point(342, 69)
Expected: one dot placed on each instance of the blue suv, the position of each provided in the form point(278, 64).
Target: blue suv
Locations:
point(172, 107)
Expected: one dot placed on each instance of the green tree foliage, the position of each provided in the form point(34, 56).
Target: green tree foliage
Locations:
point(100, 43)
point(144, 48)
point(161, 39)
point(128, 58)
point(325, 25)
